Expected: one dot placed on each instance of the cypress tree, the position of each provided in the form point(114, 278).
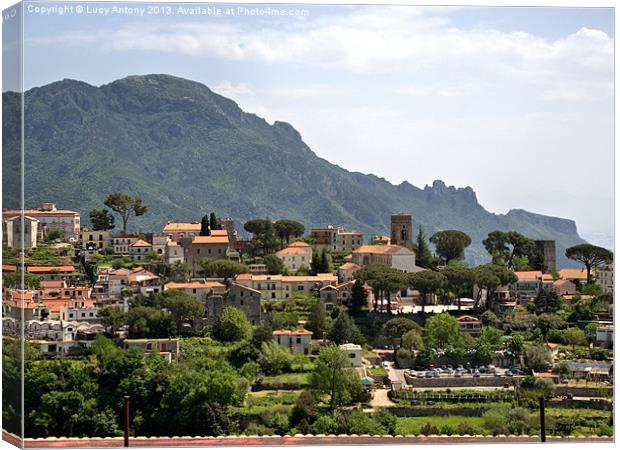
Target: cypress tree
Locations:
point(358, 298)
point(424, 257)
point(204, 226)
point(213, 222)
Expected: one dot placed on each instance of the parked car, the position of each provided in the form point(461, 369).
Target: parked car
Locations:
point(476, 374)
point(436, 374)
point(419, 374)
point(428, 374)
point(564, 381)
point(458, 374)
point(508, 373)
point(385, 365)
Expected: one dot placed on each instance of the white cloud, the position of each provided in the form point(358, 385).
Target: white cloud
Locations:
point(228, 88)
point(381, 40)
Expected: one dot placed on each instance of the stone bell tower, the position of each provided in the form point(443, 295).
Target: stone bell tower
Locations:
point(402, 230)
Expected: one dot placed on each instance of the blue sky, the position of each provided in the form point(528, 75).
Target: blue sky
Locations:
point(515, 102)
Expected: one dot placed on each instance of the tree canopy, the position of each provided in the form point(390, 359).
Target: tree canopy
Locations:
point(232, 325)
point(591, 256)
point(426, 282)
point(509, 245)
point(125, 205)
point(101, 219)
point(450, 244)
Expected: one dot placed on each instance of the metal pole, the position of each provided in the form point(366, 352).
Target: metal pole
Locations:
point(543, 436)
point(126, 419)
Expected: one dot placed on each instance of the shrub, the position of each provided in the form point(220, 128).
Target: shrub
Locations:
point(359, 423)
point(257, 429)
point(324, 425)
point(448, 429)
point(428, 429)
point(274, 359)
point(386, 419)
point(468, 428)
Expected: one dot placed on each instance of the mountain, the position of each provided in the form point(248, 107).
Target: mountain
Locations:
point(185, 150)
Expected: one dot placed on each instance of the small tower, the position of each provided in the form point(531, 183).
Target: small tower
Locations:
point(402, 230)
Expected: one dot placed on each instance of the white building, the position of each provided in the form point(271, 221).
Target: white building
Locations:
point(605, 278)
point(354, 352)
point(393, 256)
point(298, 341)
point(174, 253)
point(296, 255)
point(605, 334)
point(139, 249)
point(13, 230)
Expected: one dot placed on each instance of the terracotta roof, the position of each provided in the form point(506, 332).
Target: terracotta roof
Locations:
point(181, 226)
point(38, 212)
point(301, 331)
point(219, 233)
point(467, 319)
point(140, 243)
point(573, 274)
point(195, 285)
point(22, 295)
point(288, 278)
point(349, 266)
point(46, 284)
point(210, 239)
point(9, 268)
point(46, 269)
point(528, 275)
point(301, 244)
point(241, 286)
point(380, 249)
point(294, 251)
point(547, 375)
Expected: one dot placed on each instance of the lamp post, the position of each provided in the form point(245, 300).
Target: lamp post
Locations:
point(126, 419)
point(543, 436)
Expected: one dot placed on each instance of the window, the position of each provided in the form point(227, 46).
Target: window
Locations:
point(193, 291)
point(273, 295)
point(300, 287)
point(299, 340)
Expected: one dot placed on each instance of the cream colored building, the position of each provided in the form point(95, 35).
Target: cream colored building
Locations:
point(282, 287)
point(99, 239)
point(215, 246)
point(51, 219)
point(354, 353)
point(605, 278)
point(139, 249)
point(393, 256)
point(336, 239)
point(298, 341)
point(200, 290)
point(296, 255)
point(12, 231)
point(179, 230)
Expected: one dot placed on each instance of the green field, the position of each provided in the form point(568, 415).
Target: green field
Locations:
point(413, 425)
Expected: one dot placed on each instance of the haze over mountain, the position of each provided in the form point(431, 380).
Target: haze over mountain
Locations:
point(186, 150)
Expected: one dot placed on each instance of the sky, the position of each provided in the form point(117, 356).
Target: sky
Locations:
point(515, 102)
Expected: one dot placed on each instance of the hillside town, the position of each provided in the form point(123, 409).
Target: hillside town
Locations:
point(213, 328)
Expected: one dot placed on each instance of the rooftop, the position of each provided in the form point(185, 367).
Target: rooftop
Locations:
point(380, 249)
